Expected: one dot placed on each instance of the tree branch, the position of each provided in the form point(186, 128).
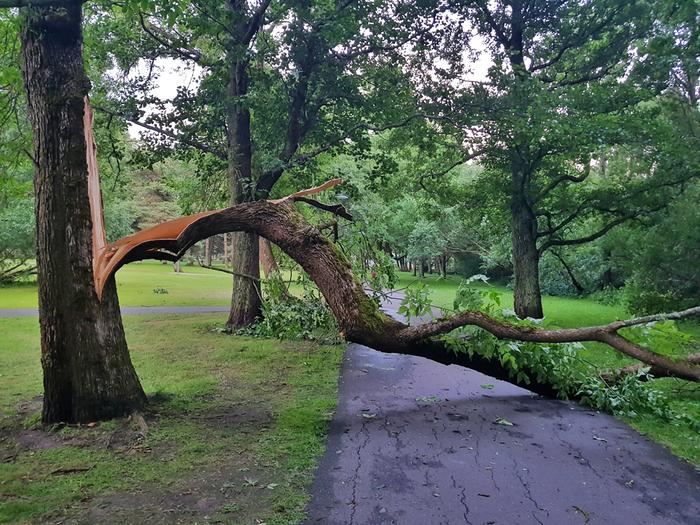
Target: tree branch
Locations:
point(564, 178)
point(167, 41)
point(588, 238)
point(335, 209)
point(256, 21)
point(193, 143)
point(604, 334)
point(358, 315)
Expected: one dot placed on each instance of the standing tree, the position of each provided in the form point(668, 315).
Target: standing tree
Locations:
point(565, 84)
point(88, 373)
point(280, 83)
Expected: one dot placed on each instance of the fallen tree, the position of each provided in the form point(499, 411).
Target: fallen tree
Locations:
point(358, 315)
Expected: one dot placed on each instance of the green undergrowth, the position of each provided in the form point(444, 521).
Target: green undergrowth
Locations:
point(667, 410)
point(232, 432)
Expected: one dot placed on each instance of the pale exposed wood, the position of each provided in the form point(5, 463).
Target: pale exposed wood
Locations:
point(114, 254)
point(99, 235)
point(310, 191)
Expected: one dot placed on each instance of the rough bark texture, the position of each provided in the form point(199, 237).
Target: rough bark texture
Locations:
point(526, 258)
point(246, 299)
point(246, 304)
point(88, 373)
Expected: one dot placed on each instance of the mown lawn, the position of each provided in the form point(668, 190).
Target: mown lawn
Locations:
point(568, 312)
point(232, 433)
point(145, 284)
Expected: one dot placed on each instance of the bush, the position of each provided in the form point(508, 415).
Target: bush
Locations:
point(664, 262)
point(288, 317)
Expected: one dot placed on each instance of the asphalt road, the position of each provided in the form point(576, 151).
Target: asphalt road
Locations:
point(416, 442)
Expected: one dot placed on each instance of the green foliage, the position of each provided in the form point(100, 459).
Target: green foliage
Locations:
point(416, 302)
point(17, 245)
point(120, 217)
point(561, 365)
point(664, 259)
point(467, 297)
point(286, 316)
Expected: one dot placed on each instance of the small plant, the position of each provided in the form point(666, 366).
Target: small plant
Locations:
point(416, 302)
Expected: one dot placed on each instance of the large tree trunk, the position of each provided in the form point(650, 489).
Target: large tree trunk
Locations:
point(526, 257)
point(246, 303)
point(88, 373)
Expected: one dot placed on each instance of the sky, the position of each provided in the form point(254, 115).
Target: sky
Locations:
point(174, 73)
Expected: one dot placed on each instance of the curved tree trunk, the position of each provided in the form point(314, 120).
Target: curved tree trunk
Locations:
point(358, 315)
point(88, 373)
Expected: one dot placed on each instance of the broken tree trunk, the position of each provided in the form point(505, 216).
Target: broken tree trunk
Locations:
point(88, 373)
point(358, 316)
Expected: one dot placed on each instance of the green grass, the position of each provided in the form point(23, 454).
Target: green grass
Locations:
point(568, 312)
point(239, 421)
point(142, 284)
point(565, 312)
point(136, 282)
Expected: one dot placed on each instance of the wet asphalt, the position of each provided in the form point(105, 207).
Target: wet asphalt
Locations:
point(416, 442)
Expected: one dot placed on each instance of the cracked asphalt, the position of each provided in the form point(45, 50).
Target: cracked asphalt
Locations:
point(416, 442)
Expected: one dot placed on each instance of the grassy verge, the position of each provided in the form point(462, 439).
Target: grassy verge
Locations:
point(231, 435)
point(567, 312)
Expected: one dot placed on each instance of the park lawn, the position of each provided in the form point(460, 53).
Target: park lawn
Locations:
point(568, 312)
point(147, 283)
point(231, 434)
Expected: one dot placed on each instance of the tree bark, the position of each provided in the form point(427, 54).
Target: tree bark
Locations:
point(267, 258)
point(88, 374)
point(226, 254)
point(207, 252)
point(246, 304)
point(526, 257)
